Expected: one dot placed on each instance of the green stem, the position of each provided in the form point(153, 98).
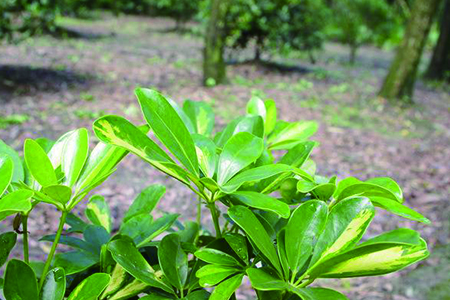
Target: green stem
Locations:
point(212, 208)
point(48, 262)
point(25, 238)
point(307, 282)
point(199, 211)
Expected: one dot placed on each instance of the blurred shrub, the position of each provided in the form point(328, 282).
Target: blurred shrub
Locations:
point(281, 25)
point(359, 22)
point(27, 17)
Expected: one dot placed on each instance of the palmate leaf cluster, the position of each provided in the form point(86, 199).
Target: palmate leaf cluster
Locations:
point(279, 223)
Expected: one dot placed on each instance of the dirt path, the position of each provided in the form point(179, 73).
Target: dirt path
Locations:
point(50, 85)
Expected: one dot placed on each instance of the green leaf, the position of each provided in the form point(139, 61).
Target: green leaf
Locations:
point(271, 116)
point(226, 289)
point(74, 155)
point(346, 224)
point(96, 236)
point(157, 227)
point(18, 172)
point(6, 172)
point(101, 161)
point(399, 235)
point(265, 279)
point(318, 294)
point(369, 190)
point(256, 107)
point(211, 275)
point(201, 116)
point(256, 232)
point(238, 243)
point(146, 201)
point(281, 248)
point(91, 287)
point(20, 281)
point(206, 153)
point(286, 136)
point(214, 256)
point(54, 286)
point(320, 191)
point(198, 295)
point(58, 192)
point(71, 241)
point(297, 155)
point(168, 127)
point(15, 202)
point(190, 232)
point(118, 278)
point(390, 184)
point(305, 225)
point(343, 184)
point(372, 259)
point(120, 132)
point(222, 137)
point(251, 124)
point(399, 209)
point(263, 202)
point(75, 223)
point(8, 241)
point(39, 164)
point(97, 211)
point(74, 261)
point(129, 257)
point(254, 175)
point(130, 290)
point(137, 227)
point(240, 151)
point(173, 260)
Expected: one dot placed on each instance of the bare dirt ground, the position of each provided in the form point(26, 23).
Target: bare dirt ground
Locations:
point(51, 85)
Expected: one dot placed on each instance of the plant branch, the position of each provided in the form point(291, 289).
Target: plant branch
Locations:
point(215, 217)
point(48, 262)
point(26, 257)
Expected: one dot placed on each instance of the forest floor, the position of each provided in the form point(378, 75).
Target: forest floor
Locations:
point(50, 85)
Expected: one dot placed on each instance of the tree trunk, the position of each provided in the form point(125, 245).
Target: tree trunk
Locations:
point(439, 68)
point(399, 82)
point(213, 62)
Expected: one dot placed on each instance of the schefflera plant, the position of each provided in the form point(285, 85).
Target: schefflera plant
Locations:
point(283, 226)
point(61, 174)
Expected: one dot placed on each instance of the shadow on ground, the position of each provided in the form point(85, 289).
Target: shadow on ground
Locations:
point(20, 80)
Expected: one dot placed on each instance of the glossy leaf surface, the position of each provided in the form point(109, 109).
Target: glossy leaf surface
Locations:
point(146, 201)
point(54, 286)
point(18, 172)
point(240, 151)
point(345, 226)
point(201, 116)
point(15, 202)
point(6, 172)
point(256, 232)
point(8, 241)
point(39, 164)
point(303, 229)
point(90, 288)
point(98, 212)
point(129, 257)
point(20, 281)
point(168, 127)
point(263, 202)
point(173, 260)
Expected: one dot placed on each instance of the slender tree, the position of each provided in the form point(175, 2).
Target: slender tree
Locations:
point(399, 82)
point(439, 67)
point(213, 61)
